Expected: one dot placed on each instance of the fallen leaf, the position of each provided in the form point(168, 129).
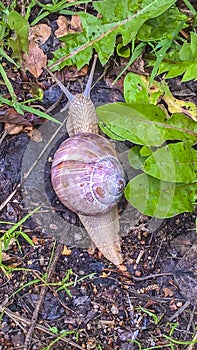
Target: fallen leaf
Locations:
point(75, 24)
point(5, 256)
point(62, 30)
point(35, 135)
point(39, 33)
point(66, 251)
point(35, 240)
point(168, 292)
point(35, 60)
point(65, 26)
point(11, 116)
point(13, 129)
point(71, 73)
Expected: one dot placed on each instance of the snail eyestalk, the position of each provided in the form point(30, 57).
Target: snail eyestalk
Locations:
point(68, 94)
point(89, 83)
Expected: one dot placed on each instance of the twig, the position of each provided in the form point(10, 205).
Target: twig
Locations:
point(192, 346)
point(182, 308)
point(18, 319)
point(42, 295)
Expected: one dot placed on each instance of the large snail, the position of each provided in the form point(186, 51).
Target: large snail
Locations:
point(87, 176)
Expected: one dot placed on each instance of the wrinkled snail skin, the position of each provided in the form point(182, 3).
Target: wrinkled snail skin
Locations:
point(88, 177)
point(81, 116)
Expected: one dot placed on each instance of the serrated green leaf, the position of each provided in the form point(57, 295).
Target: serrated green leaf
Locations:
point(134, 89)
point(134, 122)
point(118, 17)
point(160, 199)
point(162, 26)
point(191, 72)
point(175, 162)
point(184, 128)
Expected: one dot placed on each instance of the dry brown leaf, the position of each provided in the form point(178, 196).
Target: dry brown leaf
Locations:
point(39, 33)
point(35, 135)
point(62, 30)
point(71, 73)
point(65, 26)
point(11, 116)
point(66, 251)
point(13, 129)
point(168, 292)
point(75, 24)
point(35, 239)
point(35, 60)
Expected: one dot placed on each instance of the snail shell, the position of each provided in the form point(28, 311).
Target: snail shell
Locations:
point(86, 174)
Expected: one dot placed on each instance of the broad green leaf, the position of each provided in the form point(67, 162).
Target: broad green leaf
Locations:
point(135, 158)
point(134, 89)
point(143, 124)
point(117, 17)
point(20, 25)
point(162, 26)
point(134, 122)
point(145, 151)
point(176, 162)
point(160, 199)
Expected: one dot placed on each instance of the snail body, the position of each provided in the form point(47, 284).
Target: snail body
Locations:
point(87, 176)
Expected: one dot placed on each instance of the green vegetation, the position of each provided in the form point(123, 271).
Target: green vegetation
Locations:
point(163, 150)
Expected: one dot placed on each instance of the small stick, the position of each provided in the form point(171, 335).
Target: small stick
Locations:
point(42, 295)
point(16, 318)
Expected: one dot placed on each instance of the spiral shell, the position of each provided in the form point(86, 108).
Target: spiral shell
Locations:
point(86, 174)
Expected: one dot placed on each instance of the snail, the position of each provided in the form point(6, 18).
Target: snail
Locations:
point(87, 175)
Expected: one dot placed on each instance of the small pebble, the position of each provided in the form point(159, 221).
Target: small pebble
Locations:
point(114, 310)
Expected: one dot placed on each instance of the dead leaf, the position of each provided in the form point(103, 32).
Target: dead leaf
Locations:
point(5, 256)
point(66, 251)
point(35, 60)
point(39, 33)
point(35, 135)
point(71, 73)
point(13, 129)
point(168, 292)
point(11, 116)
point(62, 30)
point(65, 26)
point(35, 239)
point(75, 24)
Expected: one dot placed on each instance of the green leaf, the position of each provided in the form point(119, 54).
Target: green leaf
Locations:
point(182, 61)
point(162, 26)
point(19, 24)
point(135, 158)
point(134, 89)
point(176, 162)
point(144, 124)
point(123, 51)
point(160, 199)
point(117, 17)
